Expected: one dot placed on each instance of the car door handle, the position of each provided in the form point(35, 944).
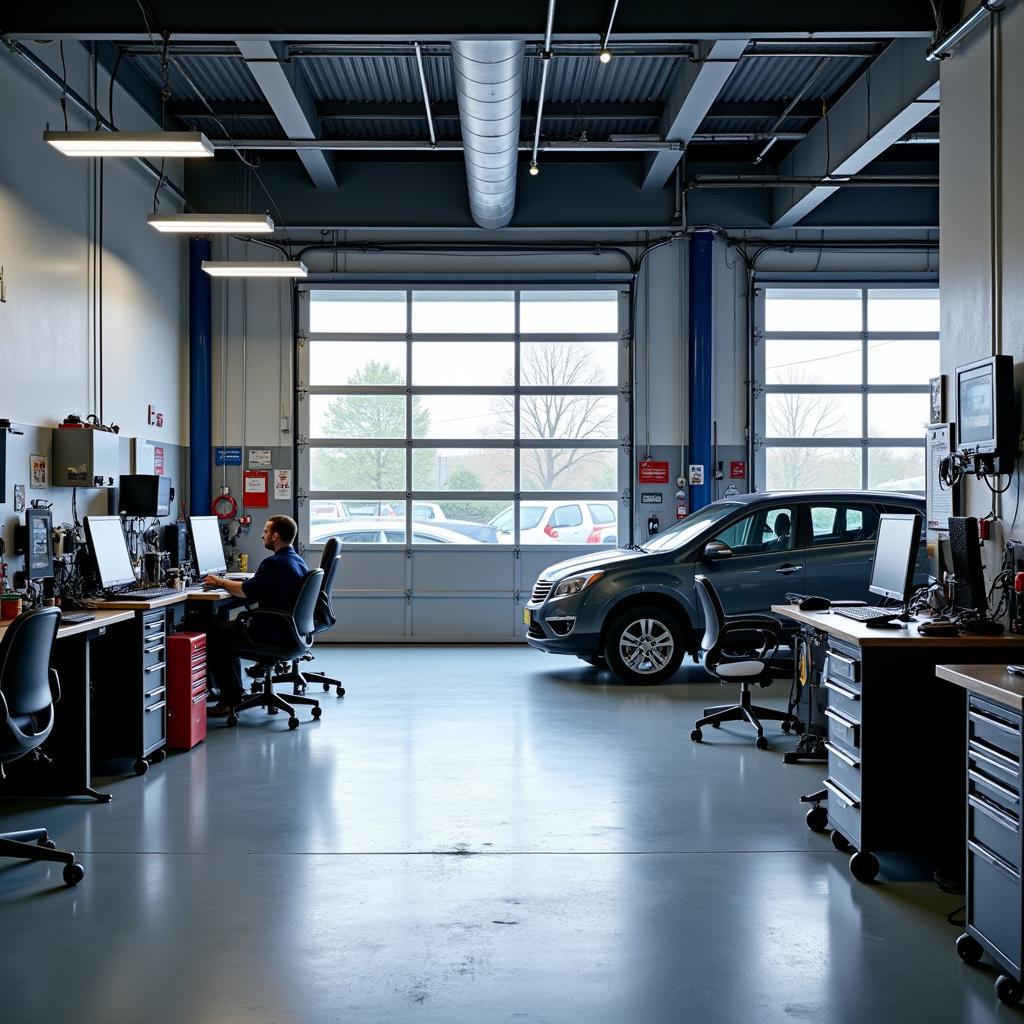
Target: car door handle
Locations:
point(786, 570)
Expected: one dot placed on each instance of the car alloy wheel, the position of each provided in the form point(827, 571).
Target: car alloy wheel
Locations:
point(644, 645)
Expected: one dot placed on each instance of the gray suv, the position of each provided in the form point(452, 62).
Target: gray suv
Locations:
point(636, 610)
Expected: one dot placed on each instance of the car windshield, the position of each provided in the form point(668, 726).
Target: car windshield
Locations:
point(690, 528)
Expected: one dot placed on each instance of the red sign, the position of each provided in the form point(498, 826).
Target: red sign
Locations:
point(653, 472)
point(737, 470)
point(255, 488)
point(158, 460)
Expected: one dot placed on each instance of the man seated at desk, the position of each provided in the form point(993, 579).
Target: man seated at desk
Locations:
point(274, 587)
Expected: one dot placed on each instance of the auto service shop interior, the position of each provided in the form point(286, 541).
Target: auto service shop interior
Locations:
point(469, 291)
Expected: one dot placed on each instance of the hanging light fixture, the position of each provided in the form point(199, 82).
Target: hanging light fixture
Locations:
point(255, 268)
point(138, 144)
point(212, 223)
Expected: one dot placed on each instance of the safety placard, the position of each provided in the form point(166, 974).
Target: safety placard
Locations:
point(737, 470)
point(282, 485)
point(653, 472)
point(227, 456)
point(696, 475)
point(255, 488)
point(259, 458)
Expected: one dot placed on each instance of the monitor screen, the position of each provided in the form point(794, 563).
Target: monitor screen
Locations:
point(109, 551)
point(39, 546)
point(207, 545)
point(895, 554)
point(975, 403)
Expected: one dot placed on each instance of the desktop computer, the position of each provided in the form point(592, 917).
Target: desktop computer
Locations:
point(112, 562)
point(970, 595)
point(207, 545)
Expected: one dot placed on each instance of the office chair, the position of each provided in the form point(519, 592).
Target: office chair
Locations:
point(29, 688)
point(284, 637)
point(323, 619)
point(740, 649)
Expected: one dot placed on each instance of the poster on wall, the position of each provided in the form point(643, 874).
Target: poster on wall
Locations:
point(255, 488)
point(259, 458)
point(282, 485)
point(37, 472)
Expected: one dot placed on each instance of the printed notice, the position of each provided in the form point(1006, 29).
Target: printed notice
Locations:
point(940, 499)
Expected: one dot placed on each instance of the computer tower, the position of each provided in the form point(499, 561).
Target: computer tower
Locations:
point(174, 540)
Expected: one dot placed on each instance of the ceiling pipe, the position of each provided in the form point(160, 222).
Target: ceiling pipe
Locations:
point(956, 35)
point(815, 75)
point(426, 94)
point(545, 57)
point(620, 145)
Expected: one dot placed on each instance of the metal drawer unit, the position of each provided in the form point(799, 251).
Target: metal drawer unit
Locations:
point(995, 921)
point(186, 690)
point(154, 689)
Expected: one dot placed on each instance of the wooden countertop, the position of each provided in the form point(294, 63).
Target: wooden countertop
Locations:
point(103, 618)
point(145, 606)
point(991, 681)
point(855, 632)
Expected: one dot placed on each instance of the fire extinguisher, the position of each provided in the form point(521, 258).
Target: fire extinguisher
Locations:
point(681, 509)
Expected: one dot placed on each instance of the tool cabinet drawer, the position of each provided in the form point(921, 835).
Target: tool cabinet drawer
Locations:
point(994, 901)
point(991, 827)
point(845, 697)
point(843, 668)
point(843, 811)
point(844, 768)
point(996, 728)
point(843, 731)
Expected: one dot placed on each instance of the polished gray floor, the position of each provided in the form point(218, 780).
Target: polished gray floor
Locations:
point(472, 835)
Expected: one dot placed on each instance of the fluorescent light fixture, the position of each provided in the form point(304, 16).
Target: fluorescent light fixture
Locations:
point(255, 268)
point(605, 56)
point(212, 223)
point(151, 144)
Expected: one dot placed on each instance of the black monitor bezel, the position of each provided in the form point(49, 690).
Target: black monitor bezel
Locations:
point(92, 553)
point(30, 572)
point(195, 551)
point(911, 561)
point(1003, 440)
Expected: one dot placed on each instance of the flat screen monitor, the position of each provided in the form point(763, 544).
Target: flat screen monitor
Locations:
point(207, 546)
point(892, 572)
point(39, 544)
point(105, 535)
point(986, 417)
point(144, 494)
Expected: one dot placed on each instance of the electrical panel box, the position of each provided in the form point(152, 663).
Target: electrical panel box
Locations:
point(85, 458)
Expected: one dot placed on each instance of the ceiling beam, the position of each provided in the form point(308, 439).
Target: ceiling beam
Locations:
point(893, 95)
point(694, 89)
point(292, 102)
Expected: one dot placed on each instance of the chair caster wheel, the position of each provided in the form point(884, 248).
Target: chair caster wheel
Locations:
point(716, 725)
point(73, 874)
point(272, 711)
point(968, 949)
point(864, 866)
point(761, 743)
point(1008, 990)
point(840, 842)
point(786, 726)
point(141, 766)
point(47, 844)
point(327, 686)
point(695, 735)
point(317, 711)
point(340, 691)
point(799, 727)
point(232, 721)
point(293, 722)
point(157, 756)
point(817, 819)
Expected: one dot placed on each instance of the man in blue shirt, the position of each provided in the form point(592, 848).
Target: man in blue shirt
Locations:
point(274, 586)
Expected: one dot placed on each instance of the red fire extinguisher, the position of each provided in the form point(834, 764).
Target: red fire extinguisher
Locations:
point(681, 509)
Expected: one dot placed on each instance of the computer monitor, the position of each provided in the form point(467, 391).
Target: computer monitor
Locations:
point(144, 494)
point(892, 572)
point(969, 593)
point(986, 416)
point(105, 536)
point(207, 546)
point(38, 544)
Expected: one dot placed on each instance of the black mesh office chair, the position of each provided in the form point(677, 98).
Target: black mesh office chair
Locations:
point(323, 619)
point(275, 637)
point(29, 688)
point(741, 649)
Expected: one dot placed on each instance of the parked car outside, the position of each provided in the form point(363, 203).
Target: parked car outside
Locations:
point(556, 522)
point(388, 530)
point(637, 611)
point(368, 508)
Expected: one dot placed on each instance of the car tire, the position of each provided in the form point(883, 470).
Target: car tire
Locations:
point(638, 630)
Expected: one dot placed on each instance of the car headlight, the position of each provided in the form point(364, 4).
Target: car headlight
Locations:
point(574, 584)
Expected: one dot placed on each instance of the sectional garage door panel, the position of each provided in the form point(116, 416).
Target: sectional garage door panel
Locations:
point(477, 618)
point(464, 571)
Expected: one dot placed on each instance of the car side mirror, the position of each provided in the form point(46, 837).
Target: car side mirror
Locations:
point(717, 550)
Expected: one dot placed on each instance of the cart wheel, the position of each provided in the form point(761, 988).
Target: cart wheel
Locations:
point(864, 866)
point(798, 727)
point(47, 844)
point(340, 691)
point(696, 735)
point(1008, 990)
point(817, 818)
point(317, 711)
point(232, 721)
point(73, 873)
point(786, 726)
point(327, 686)
point(839, 841)
point(293, 722)
point(761, 743)
point(157, 756)
point(141, 766)
point(968, 948)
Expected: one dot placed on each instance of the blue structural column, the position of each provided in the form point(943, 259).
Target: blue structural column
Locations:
point(200, 352)
point(701, 353)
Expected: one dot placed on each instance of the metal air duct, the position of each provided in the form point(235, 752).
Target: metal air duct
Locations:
point(488, 82)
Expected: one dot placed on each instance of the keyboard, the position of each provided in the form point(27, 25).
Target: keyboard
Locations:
point(143, 594)
point(72, 618)
point(868, 613)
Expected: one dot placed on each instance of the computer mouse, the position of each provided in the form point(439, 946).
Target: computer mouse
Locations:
point(938, 629)
point(815, 604)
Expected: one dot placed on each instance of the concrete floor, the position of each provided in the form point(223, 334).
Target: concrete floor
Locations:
point(473, 835)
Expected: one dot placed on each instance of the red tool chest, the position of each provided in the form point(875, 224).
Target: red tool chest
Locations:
point(186, 690)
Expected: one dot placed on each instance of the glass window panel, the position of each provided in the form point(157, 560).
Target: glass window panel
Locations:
point(357, 312)
point(601, 513)
point(896, 469)
point(902, 362)
point(813, 309)
point(463, 363)
point(357, 416)
point(898, 415)
point(903, 309)
point(457, 416)
point(356, 362)
point(803, 469)
point(563, 469)
point(463, 469)
point(813, 415)
point(569, 312)
point(347, 533)
point(589, 417)
point(463, 312)
point(357, 469)
point(578, 363)
point(823, 521)
point(813, 362)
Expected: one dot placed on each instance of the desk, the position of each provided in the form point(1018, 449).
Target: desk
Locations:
point(69, 743)
point(895, 737)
